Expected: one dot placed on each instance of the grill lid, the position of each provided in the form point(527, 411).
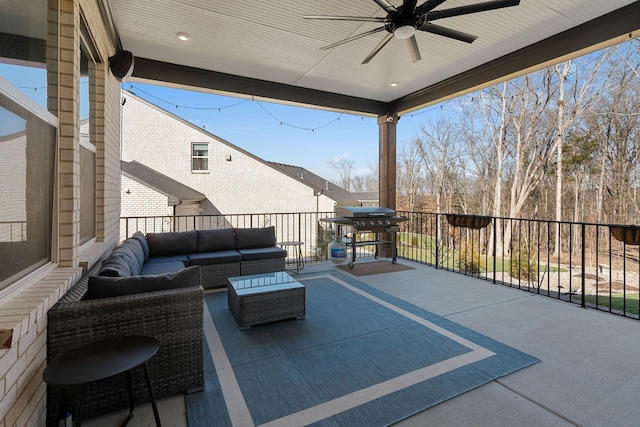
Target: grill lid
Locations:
point(364, 212)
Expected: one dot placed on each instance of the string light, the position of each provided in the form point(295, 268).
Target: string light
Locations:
point(252, 99)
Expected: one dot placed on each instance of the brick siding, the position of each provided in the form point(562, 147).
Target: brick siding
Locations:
point(23, 314)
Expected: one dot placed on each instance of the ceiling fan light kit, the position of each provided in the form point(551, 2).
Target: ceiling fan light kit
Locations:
point(403, 21)
point(404, 32)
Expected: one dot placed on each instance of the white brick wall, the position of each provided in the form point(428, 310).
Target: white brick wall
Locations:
point(140, 200)
point(24, 313)
point(245, 184)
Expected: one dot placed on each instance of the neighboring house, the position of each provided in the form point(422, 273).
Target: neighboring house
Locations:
point(165, 157)
point(233, 180)
point(146, 192)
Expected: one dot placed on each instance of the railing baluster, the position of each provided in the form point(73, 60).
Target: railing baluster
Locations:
point(584, 258)
point(428, 239)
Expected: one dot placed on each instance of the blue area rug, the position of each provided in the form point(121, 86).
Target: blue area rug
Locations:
point(360, 357)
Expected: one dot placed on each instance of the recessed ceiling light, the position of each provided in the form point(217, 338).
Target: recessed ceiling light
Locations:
point(183, 36)
point(393, 84)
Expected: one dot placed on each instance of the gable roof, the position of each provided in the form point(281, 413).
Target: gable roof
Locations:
point(175, 191)
point(323, 186)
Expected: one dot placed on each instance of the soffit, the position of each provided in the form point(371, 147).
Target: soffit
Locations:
point(251, 43)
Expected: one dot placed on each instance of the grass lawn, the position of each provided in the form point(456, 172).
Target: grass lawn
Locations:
point(421, 248)
point(617, 302)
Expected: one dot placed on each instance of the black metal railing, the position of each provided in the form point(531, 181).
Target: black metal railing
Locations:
point(304, 227)
point(593, 265)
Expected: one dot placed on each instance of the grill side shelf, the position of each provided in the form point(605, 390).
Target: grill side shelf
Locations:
point(371, 242)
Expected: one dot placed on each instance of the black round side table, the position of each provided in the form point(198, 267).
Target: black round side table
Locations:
point(101, 360)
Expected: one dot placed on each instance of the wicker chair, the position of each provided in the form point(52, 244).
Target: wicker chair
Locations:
point(174, 317)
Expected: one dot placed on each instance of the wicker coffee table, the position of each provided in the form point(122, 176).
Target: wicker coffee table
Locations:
point(263, 298)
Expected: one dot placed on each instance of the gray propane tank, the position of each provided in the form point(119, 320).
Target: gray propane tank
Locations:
point(337, 251)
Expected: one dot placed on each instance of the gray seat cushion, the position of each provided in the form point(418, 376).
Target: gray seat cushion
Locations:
point(105, 287)
point(209, 258)
point(174, 258)
point(262, 253)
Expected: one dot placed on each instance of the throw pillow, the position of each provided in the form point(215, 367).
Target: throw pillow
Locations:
point(252, 238)
point(124, 261)
point(172, 243)
point(106, 287)
point(216, 240)
point(143, 242)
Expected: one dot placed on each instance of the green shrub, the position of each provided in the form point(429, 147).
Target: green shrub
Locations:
point(470, 260)
point(523, 263)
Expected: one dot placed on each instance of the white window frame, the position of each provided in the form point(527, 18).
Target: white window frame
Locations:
point(194, 156)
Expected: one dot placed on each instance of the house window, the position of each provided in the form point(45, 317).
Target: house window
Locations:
point(27, 141)
point(27, 156)
point(87, 147)
point(199, 156)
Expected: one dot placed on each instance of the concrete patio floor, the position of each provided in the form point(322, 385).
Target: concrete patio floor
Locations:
point(588, 374)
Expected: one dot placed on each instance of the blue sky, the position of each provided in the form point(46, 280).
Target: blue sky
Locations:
point(293, 135)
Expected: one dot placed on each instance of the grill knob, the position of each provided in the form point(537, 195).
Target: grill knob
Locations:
point(371, 223)
point(387, 223)
point(380, 223)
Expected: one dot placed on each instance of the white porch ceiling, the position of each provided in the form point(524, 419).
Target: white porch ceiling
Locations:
point(263, 49)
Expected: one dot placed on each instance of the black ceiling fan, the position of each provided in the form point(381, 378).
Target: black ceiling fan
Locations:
point(403, 21)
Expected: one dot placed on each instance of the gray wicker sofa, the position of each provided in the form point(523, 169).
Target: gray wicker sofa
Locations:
point(219, 253)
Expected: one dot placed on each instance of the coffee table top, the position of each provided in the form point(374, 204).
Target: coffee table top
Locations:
point(266, 282)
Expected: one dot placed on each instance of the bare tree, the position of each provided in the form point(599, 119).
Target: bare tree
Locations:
point(344, 168)
point(514, 115)
point(439, 149)
point(493, 104)
point(581, 93)
point(411, 179)
point(615, 123)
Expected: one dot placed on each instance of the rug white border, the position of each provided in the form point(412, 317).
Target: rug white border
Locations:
point(237, 407)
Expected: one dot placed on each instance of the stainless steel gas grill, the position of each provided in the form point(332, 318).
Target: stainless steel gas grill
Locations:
point(368, 220)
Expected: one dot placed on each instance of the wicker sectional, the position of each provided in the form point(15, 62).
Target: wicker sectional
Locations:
point(215, 275)
point(153, 285)
point(226, 252)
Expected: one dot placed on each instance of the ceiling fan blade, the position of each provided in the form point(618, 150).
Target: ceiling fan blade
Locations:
point(345, 18)
point(352, 38)
point(447, 32)
point(429, 5)
point(388, 7)
point(472, 8)
point(378, 48)
point(412, 44)
point(409, 5)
